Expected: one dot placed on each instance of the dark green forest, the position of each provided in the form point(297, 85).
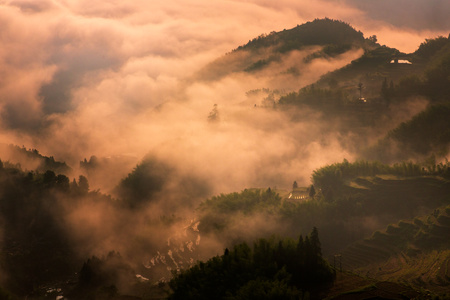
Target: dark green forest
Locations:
point(272, 269)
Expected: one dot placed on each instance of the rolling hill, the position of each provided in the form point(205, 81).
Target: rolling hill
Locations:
point(321, 38)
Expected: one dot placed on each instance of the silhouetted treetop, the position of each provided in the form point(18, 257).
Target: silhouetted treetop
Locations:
point(147, 179)
point(23, 156)
point(430, 47)
point(272, 269)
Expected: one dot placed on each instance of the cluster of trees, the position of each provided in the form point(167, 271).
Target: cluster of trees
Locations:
point(425, 132)
point(431, 47)
point(433, 56)
point(47, 181)
point(217, 212)
point(434, 84)
point(40, 248)
point(144, 182)
point(246, 201)
point(25, 156)
point(272, 269)
point(336, 206)
point(154, 179)
point(334, 175)
point(101, 278)
point(315, 96)
point(35, 246)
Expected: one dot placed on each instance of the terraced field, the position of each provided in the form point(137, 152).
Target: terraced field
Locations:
point(415, 252)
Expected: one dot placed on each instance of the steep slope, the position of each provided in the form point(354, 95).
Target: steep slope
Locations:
point(386, 75)
point(425, 134)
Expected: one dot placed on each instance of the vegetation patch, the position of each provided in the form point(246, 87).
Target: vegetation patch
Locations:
point(272, 269)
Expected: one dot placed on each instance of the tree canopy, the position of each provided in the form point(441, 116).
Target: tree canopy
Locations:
point(271, 269)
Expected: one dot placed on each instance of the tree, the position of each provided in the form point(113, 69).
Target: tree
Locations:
point(431, 46)
point(74, 185)
point(83, 184)
point(373, 38)
point(295, 185)
point(214, 114)
point(391, 88)
point(385, 89)
point(315, 242)
point(329, 197)
point(360, 88)
point(49, 178)
point(437, 79)
point(312, 191)
point(62, 182)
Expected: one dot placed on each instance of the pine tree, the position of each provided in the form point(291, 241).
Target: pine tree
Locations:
point(312, 191)
point(385, 89)
point(83, 184)
point(315, 243)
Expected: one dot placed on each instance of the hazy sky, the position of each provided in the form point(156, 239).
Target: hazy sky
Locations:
point(81, 78)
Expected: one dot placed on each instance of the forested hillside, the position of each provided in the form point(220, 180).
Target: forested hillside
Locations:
point(317, 32)
point(321, 38)
point(346, 194)
point(425, 134)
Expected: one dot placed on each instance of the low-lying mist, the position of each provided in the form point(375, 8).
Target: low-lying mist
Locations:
point(171, 141)
point(186, 140)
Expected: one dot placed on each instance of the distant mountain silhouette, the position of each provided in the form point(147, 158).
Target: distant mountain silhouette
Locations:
point(318, 32)
point(330, 37)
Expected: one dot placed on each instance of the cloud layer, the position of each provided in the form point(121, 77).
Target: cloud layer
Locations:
point(110, 78)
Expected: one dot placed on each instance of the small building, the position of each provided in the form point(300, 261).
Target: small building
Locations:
point(400, 61)
point(298, 194)
point(362, 100)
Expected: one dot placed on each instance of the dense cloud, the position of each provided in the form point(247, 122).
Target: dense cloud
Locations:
point(81, 79)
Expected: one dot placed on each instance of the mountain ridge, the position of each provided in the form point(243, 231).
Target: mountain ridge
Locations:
point(321, 38)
